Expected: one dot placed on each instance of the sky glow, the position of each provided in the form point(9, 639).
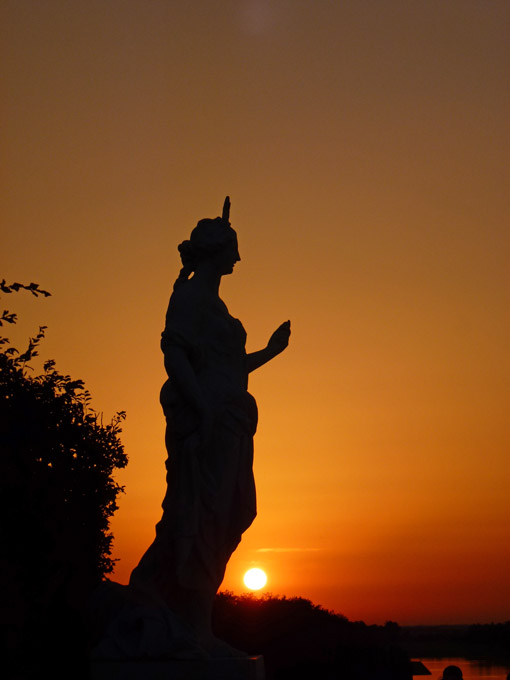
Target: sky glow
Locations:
point(365, 148)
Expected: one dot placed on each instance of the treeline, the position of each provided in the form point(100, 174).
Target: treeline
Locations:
point(496, 634)
point(490, 640)
point(301, 640)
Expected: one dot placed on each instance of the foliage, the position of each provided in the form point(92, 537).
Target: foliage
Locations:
point(57, 494)
point(301, 640)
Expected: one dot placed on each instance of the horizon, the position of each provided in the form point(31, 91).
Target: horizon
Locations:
point(365, 149)
point(270, 595)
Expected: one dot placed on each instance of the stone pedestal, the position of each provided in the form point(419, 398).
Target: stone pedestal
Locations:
point(247, 668)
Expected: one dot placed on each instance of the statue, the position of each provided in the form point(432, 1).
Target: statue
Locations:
point(211, 419)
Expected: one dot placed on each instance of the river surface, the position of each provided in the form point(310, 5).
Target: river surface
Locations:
point(471, 670)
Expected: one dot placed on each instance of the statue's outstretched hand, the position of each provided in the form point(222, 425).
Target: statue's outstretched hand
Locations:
point(280, 338)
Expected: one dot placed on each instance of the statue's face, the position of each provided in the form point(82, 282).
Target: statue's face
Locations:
point(216, 245)
point(228, 256)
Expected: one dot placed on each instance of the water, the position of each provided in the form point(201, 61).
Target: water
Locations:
point(471, 670)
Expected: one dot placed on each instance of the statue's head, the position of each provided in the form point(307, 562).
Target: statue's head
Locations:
point(213, 239)
point(209, 237)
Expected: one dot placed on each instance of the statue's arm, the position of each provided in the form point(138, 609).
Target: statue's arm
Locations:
point(277, 343)
point(180, 338)
point(183, 376)
point(181, 372)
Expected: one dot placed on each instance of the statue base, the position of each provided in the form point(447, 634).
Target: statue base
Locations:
point(232, 668)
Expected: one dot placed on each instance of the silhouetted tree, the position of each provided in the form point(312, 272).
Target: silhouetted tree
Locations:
point(57, 493)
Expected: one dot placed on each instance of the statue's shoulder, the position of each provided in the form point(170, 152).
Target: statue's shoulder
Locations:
point(184, 317)
point(187, 300)
point(187, 293)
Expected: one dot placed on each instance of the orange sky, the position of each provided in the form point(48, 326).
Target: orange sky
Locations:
point(365, 146)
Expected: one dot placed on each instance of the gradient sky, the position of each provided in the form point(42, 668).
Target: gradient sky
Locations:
point(365, 145)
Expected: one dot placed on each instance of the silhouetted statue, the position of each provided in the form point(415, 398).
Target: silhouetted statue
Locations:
point(211, 419)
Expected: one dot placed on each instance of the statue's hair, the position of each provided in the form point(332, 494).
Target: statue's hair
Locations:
point(208, 237)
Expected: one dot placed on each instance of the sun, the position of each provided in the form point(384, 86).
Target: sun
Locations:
point(255, 579)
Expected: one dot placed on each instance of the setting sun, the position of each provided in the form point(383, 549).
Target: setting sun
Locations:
point(255, 579)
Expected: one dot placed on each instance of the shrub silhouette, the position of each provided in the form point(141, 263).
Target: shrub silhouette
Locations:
point(57, 494)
